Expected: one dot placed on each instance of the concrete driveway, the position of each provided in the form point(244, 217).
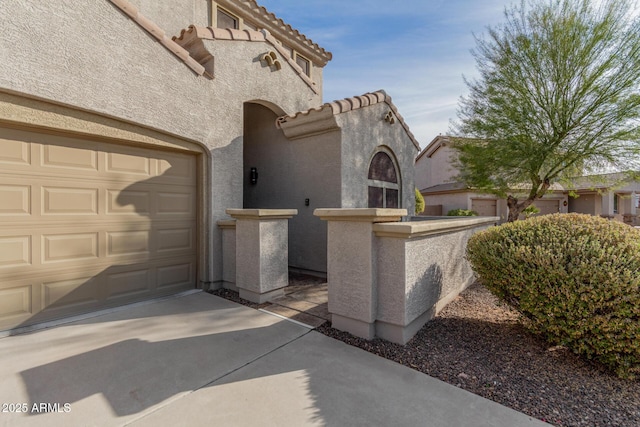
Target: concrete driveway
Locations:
point(198, 360)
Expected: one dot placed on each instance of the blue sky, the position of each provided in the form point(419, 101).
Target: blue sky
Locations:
point(416, 50)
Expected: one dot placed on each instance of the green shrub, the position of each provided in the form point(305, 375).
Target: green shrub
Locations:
point(462, 212)
point(530, 210)
point(575, 277)
point(419, 202)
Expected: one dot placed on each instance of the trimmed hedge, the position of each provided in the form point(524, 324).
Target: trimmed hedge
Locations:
point(576, 277)
point(419, 202)
point(462, 212)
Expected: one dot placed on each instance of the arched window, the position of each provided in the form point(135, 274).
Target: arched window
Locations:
point(384, 190)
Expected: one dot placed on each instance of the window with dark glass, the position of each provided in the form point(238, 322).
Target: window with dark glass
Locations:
point(384, 190)
point(226, 20)
point(304, 64)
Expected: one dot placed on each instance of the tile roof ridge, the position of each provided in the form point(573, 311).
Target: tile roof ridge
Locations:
point(276, 23)
point(211, 33)
point(354, 103)
point(158, 33)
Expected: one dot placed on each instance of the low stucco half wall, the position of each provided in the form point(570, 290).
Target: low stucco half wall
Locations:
point(421, 267)
point(387, 278)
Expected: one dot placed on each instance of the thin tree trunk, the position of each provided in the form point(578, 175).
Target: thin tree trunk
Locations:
point(515, 208)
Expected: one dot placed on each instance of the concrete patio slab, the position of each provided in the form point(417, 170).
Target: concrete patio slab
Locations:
point(201, 360)
point(114, 368)
point(316, 380)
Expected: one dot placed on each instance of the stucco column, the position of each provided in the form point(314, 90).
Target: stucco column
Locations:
point(228, 227)
point(351, 269)
point(607, 204)
point(262, 252)
point(634, 203)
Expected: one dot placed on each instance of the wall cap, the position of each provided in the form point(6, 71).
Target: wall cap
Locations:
point(265, 214)
point(361, 214)
point(227, 223)
point(409, 230)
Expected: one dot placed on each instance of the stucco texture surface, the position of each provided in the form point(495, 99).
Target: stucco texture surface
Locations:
point(364, 132)
point(289, 173)
point(91, 56)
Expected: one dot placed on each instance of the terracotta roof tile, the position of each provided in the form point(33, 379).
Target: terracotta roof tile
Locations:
point(348, 104)
point(209, 33)
point(267, 20)
point(159, 34)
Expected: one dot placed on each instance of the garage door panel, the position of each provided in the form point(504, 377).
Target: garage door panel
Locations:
point(15, 301)
point(176, 166)
point(124, 284)
point(177, 275)
point(69, 158)
point(69, 201)
point(117, 163)
point(16, 199)
point(15, 251)
point(175, 240)
point(484, 207)
point(128, 202)
point(71, 293)
point(175, 203)
point(69, 247)
point(547, 206)
point(88, 225)
point(128, 242)
point(14, 151)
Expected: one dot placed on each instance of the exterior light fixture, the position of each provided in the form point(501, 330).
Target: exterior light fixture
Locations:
point(253, 176)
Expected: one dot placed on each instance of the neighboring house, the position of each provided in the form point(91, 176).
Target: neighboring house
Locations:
point(122, 146)
point(606, 196)
point(435, 178)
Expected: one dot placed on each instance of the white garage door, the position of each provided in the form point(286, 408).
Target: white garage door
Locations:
point(547, 206)
point(86, 225)
point(484, 207)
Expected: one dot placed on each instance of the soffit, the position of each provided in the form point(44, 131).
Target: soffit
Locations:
point(433, 146)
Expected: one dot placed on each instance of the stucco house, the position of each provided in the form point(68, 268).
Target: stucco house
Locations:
point(129, 127)
point(609, 195)
point(595, 195)
point(435, 178)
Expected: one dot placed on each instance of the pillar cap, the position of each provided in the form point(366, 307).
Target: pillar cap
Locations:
point(361, 214)
point(262, 213)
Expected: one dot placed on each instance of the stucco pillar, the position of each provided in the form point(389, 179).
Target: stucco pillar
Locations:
point(351, 266)
point(634, 203)
point(262, 252)
point(607, 205)
point(228, 227)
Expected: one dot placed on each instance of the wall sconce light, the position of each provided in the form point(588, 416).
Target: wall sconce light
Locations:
point(253, 176)
point(306, 202)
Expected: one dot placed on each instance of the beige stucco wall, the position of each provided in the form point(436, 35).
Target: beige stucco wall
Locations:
point(174, 16)
point(422, 170)
point(363, 131)
point(290, 171)
point(93, 57)
point(440, 170)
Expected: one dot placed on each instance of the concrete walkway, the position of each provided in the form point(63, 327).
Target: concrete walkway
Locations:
point(200, 360)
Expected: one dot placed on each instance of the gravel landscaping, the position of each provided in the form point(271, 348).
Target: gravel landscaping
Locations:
point(480, 345)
